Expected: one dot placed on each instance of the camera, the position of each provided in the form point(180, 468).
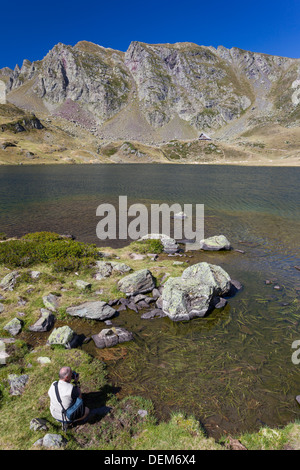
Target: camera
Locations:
point(75, 376)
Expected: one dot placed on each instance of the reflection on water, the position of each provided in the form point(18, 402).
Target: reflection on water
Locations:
point(233, 369)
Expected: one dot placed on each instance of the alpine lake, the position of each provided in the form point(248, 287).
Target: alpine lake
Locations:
point(232, 369)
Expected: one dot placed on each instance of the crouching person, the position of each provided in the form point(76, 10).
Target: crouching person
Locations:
point(66, 404)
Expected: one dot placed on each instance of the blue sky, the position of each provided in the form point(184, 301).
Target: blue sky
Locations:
point(28, 30)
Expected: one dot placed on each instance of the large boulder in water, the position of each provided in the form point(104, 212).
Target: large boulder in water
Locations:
point(216, 243)
point(193, 294)
point(209, 275)
point(185, 300)
point(138, 282)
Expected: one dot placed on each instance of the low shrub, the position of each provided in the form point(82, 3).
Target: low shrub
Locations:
point(147, 246)
point(46, 247)
point(42, 236)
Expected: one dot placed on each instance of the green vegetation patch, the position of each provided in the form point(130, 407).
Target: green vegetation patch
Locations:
point(46, 247)
point(147, 246)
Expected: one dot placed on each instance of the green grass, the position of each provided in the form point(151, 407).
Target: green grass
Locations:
point(124, 428)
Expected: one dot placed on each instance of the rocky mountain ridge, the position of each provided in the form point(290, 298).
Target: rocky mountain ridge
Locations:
point(158, 92)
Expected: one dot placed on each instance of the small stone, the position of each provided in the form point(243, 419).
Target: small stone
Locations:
point(3, 353)
point(137, 256)
point(9, 281)
point(35, 274)
point(38, 424)
point(55, 441)
point(156, 312)
point(44, 360)
point(83, 285)
point(51, 302)
point(155, 293)
point(22, 301)
point(17, 383)
point(14, 326)
point(220, 302)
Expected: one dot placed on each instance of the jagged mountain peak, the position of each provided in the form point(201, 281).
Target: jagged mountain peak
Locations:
point(162, 86)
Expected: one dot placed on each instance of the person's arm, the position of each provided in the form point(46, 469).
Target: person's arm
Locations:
point(76, 392)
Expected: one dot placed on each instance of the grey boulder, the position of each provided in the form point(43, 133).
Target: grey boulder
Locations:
point(9, 281)
point(138, 282)
point(96, 310)
point(14, 326)
point(216, 243)
point(51, 302)
point(185, 300)
point(44, 323)
point(62, 335)
point(210, 275)
point(111, 336)
point(106, 268)
point(17, 383)
point(194, 293)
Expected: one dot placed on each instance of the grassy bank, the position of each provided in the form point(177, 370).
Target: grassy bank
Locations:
point(131, 423)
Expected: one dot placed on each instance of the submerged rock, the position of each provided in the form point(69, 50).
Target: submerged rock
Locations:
point(96, 310)
point(156, 312)
point(216, 243)
point(111, 336)
point(139, 282)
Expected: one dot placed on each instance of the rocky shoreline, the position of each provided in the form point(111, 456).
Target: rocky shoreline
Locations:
point(200, 288)
point(101, 292)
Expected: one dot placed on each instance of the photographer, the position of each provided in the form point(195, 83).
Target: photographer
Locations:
point(66, 403)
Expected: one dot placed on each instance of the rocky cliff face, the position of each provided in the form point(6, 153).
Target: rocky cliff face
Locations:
point(162, 87)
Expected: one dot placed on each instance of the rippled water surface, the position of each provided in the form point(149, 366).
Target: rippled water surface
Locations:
point(233, 369)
